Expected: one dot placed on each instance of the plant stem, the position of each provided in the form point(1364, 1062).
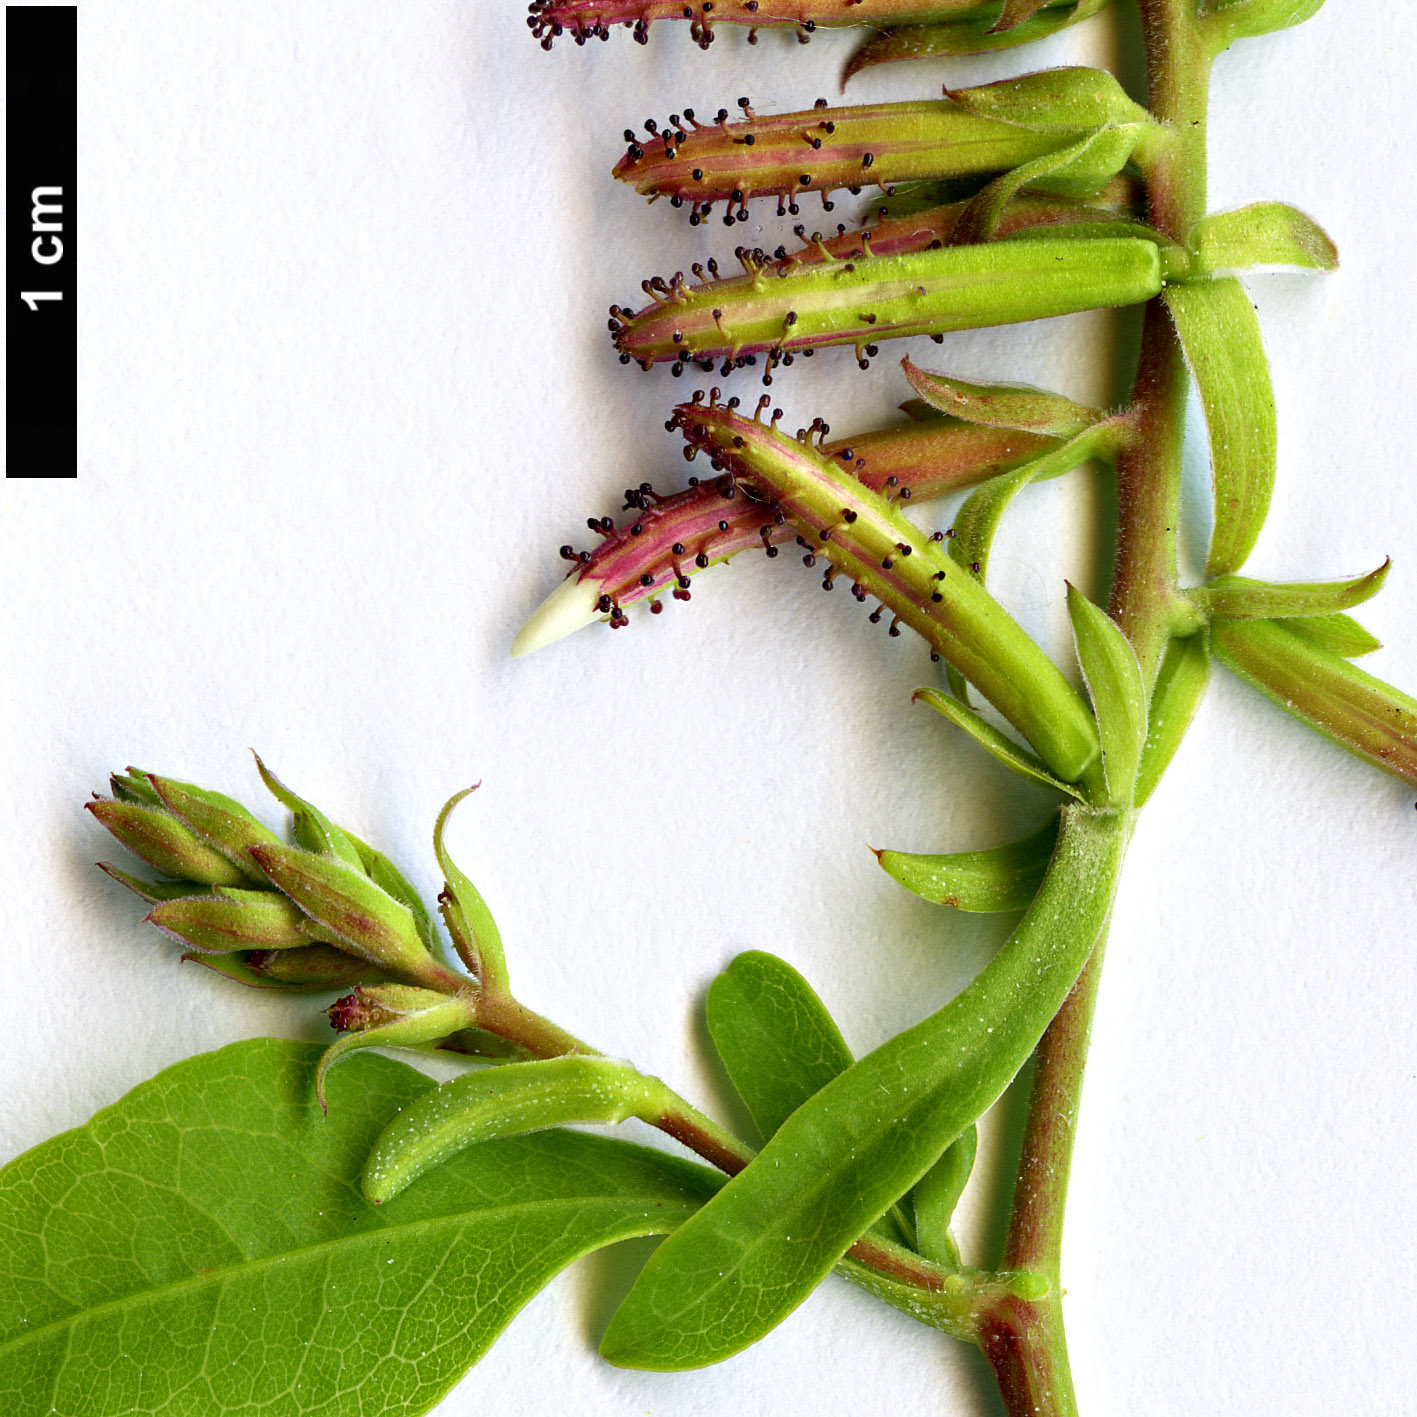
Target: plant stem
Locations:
point(1023, 1337)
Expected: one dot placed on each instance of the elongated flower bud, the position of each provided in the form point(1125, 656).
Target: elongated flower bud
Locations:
point(230, 920)
point(591, 19)
point(347, 906)
point(305, 969)
point(1370, 719)
point(166, 843)
point(668, 540)
point(781, 311)
point(867, 539)
point(820, 150)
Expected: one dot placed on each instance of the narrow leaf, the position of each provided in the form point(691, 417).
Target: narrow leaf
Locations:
point(1180, 686)
point(202, 1245)
point(1001, 878)
point(1078, 170)
point(774, 1035)
point(1114, 677)
point(1221, 336)
point(749, 1257)
point(1240, 598)
point(312, 829)
point(1265, 234)
point(1366, 717)
point(501, 1102)
point(997, 744)
point(475, 934)
point(1225, 21)
point(1013, 406)
point(937, 1194)
point(778, 1044)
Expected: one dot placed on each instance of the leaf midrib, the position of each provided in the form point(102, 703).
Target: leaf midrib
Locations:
point(217, 1276)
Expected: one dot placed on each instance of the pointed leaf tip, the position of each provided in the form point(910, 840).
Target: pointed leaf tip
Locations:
point(571, 605)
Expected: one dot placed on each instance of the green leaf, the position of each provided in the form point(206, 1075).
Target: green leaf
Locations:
point(936, 1195)
point(1073, 97)
point(1016, 12)
point(1180, 686)
point(778, 1044)
point(1225, 21)
point(998, 745)
point(1001, 878)
point(1361, 714)
point(1240, 598)
point(505, 1101)
point(775, 1036)
point(475, 934)
point(1264, 234)
point(749, 1257)
point(1001, 405)
point(1081, 169)
point(1114, 677)
point(1221, 336)
point(202, 1246)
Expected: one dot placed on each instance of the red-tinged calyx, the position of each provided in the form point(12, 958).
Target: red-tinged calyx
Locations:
point(679, 536)
point(788, 155)
point(582, 20)
point(782, 309)
point(868, 540)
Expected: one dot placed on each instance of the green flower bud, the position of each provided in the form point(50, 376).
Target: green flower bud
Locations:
point(227, 827)
point(354, 912)
point(166, 843)
point(232, 919)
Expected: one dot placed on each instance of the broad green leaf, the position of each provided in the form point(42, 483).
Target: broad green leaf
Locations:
point(1339, 634)
point(1221, 336)
point(469, 921)
point(1363, 715)
point(1114, 677)
point(1264, 234)
point(1240, 598)
point(1001, 405)
point(754, 1252)
point(973, 35)
point(1001, 878)
point(201, 1247)
point(774, 1035)
point(505, 1101)
point(936, 1195)
point(997, 744)
point(1180, 686)
point(778, 1044)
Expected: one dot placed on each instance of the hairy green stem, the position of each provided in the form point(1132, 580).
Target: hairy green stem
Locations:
point(1023, 1339)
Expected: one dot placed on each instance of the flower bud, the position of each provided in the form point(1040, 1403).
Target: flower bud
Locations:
point(226, 826)
point(354, 911)
point(231, 919)
point(305, 969)
point(166, 843)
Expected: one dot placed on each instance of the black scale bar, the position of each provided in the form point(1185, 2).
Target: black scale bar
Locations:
point(41, 249)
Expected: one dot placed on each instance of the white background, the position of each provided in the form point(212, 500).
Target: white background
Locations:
point(344, 388)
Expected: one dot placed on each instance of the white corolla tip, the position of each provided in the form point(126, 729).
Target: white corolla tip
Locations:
point(568, 607)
